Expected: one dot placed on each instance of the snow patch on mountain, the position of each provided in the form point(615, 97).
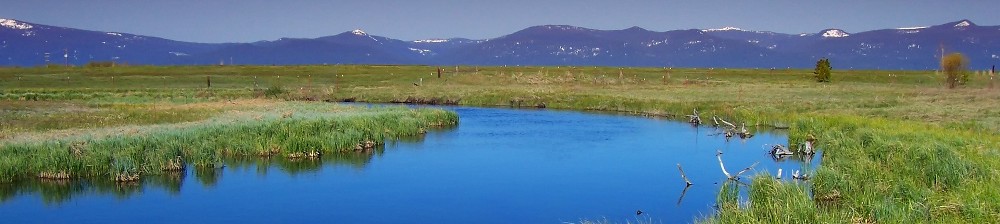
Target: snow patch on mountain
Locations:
point(421, 51)
point(654, 43)
point(915, 29)
point(834, 33)
point(431, 41)
point(14, 24)
point(562, 27)
point(964, 23)
point(178, 53)
point(728, 28)
point(114, 34)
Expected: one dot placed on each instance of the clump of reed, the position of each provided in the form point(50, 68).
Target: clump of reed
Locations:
point(314, 131)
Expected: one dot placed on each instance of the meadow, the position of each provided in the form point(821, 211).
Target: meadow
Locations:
point(898, 145)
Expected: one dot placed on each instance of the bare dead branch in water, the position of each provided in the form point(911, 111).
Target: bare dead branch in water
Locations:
point(718, 154)
point(686, 180)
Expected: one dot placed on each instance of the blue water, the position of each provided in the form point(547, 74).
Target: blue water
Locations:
point(496, 166)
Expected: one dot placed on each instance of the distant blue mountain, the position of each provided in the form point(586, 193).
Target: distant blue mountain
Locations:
point(29, 44)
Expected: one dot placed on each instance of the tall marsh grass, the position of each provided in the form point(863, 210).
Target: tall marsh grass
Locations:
point(295, 130)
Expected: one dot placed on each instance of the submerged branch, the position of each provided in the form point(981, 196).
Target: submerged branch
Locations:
point(684, 176)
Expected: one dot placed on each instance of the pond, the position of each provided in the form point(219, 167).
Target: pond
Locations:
point(496, 166)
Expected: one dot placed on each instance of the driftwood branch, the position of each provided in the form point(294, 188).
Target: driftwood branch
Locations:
point(779, 150)
point(743, 132)
point(807, 148)
point(732, 129)
point(718, 154)
point(746, 169)
point(694, 118)
point(796, 175)
point(727, 123)
point(686, 180)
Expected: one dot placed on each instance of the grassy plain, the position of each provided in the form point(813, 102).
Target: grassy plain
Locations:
point(898, 146)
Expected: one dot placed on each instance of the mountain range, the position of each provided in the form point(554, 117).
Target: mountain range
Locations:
point(29, 44)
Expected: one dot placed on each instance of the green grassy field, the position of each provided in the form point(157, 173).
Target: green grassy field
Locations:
point(898, 146)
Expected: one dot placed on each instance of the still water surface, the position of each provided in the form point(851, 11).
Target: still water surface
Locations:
point(496, 166)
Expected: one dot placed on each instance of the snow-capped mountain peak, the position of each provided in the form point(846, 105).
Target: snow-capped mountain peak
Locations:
point(964, 23)
point(14, 24)
point(728, 28)
point(834, 33)
point(359, 32)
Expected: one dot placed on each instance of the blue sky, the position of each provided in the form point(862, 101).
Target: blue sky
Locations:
point(252, 20)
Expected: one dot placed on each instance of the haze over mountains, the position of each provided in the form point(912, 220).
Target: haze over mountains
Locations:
point(28, 44)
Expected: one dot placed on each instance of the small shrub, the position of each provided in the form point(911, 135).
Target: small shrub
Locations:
point(100, 64)
point(275, 91)
point(955, 67)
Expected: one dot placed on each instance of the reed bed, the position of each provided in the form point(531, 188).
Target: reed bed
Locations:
point(311, 130)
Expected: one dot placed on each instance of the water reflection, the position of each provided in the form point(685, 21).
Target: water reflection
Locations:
point(683, 192)
point(55, 192)
point(208, 177)
point(171, 182)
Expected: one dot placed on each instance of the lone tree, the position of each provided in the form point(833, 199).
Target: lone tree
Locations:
point(823, 70)
point(955, 67)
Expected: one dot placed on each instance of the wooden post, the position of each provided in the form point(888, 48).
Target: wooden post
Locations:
point(208, 79)
point(992, 76)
